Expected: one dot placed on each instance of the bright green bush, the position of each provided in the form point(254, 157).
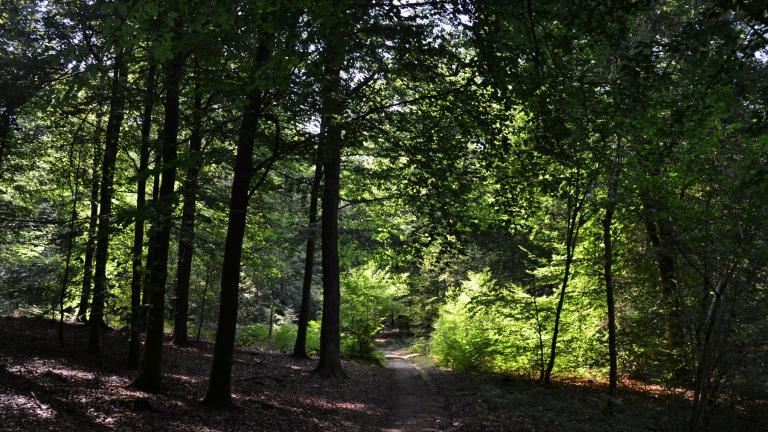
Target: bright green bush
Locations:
point(368, 298)
point(283, 336)
point(505, 329)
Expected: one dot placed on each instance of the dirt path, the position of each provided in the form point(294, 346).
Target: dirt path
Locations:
point(417, 406)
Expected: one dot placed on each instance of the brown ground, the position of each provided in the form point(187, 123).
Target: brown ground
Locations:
point(45, 387)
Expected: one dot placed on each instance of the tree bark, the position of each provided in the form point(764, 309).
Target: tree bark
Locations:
point(187, 228)
point(70, 234)
point(149, 377)
point(607, 223)
point(330, 143)
point(219, 385)
point(706, 360)
point(300, 347)
point(93, 220)
point(114, 123)
point(574, 224)
point(6, 125)
point(200, 319)
point(137, 252)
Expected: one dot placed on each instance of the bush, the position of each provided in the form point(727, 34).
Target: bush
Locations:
point(283, 336)
point(368, 298)
point(505, 329)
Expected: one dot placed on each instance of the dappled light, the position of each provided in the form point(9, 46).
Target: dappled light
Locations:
point(389, 215)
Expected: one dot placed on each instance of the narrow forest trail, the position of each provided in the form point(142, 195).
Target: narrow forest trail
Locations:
point(417, 404)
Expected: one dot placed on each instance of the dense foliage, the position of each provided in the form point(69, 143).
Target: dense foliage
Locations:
point(536, 188)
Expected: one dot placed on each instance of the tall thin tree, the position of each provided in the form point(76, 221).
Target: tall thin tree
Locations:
point(187, 227)
point(219, 385)
point(137, 251)
point(300, 347)
point(112, 138)
point(149, 376)
point(93, 220)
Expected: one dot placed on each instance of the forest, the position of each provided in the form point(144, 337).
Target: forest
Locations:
point(384, 215)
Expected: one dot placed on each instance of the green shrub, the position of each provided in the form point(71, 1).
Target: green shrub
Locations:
point(368, 297)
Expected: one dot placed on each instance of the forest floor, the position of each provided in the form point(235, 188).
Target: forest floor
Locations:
point(46, 387)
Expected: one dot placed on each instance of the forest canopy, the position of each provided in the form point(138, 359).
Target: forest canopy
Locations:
point(538, 189)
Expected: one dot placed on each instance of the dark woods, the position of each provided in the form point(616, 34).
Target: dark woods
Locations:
point(545, 189)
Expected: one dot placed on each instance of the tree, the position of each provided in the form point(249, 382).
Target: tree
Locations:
point(93, 219)
point(149, 376)
point(187, 228)
point(330, 154)
point(137, 252)
point(219, 385)
point(300, 347)
point(112, 137)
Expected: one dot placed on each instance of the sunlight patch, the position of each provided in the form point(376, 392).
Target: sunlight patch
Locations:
point(347, 406)
point(27, 404)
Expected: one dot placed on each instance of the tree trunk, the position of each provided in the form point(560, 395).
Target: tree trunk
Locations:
point(574, 223)
point(158, 167)
point(706, 361)
point(300, 348)
point(608, 275)
point(219, 385)
point(608, 267)
point(114, 123)
point(93, 220)
point(134, 351)
point(70, 236)
point(202, 301)
point(330, 143)
point(271, 318)
point(149, 377)
point(608, 259)
point(187, 228)
point(6, 125)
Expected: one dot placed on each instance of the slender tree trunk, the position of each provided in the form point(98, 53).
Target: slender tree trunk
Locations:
point(539, 332)
point(149, 376)
point(706, 360)
point(137, 252)
point(158, 167)
point(574, 223)
point(271, 318)
point(70, 237)
point(609, 289)
point(200, 319)
point(608, 275)
point(93, 220)
point(187, 228)
point(219, 385)
point(116, 114)
point(300, 348)
point(6, 125)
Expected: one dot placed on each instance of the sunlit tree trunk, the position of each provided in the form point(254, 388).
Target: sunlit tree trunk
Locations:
point(608, 259)
point(575, 221)
point(75, 188)
point(114, 123)
point(93, 220)
point(300, 348)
